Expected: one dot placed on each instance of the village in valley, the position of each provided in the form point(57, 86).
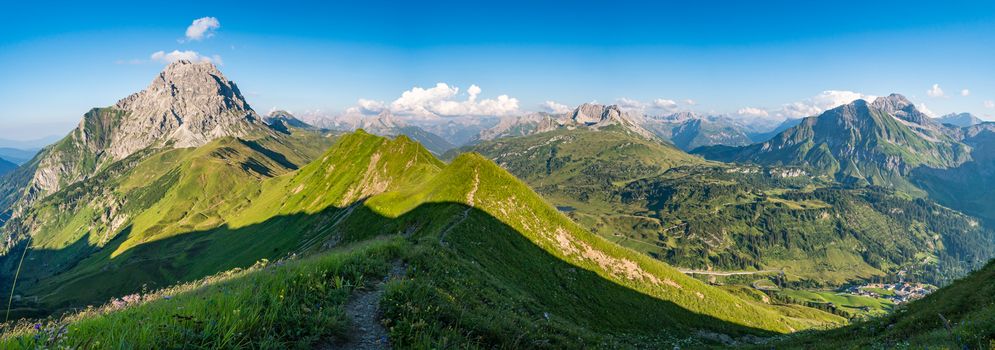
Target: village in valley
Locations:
point(899, 293)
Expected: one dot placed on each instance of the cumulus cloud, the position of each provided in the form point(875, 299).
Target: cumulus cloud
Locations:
point(925, 110)
point(965, 92)
point(819, 103)
point(202, 28)
point(440, 100)
point(370, 107)
point(629, 104)
point(554, 107)
point(690, 102)
point(752, 112)
point(660, 104)
point(474, 90)
point(990, 104)
point(176, 55)
point(935, 91)
point(666, 105)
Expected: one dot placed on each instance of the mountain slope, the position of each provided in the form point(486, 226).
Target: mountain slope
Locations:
point(688, 131)
point(868, 143)
point(6, 166)
point(479, 238)
point(749, 218)
point(89, 236)
point(385, 124)
point(655, 199)
point(586, 116)
point(968, 187)
point(16, 155)
point(186, 105)
point(959, 316)
point(581, 170)
point(283, 121)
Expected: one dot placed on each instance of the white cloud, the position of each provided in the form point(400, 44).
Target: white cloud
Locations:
point(817, 104)
point(176, 55)
point(935, 91)
point(665, 104)
point(752, 112)
point(690, 102)
point(418, 100)
point(441, 101)
point(202, 28)
point(925, 110)
point(370, 107)
point(474, 90)
point(990, 104)
point(965, 92)
point(629, 104)
point(554, 107)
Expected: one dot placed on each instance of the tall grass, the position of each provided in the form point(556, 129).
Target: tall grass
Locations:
point(281, 305)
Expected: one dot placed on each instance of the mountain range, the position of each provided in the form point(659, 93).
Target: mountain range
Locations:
point(190, 204)
point(651, 197)
point(875, 143)
point(208, 225)
point(385, 124)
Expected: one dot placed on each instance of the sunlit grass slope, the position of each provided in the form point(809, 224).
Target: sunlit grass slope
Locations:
point(489, 262)
point(959, 316)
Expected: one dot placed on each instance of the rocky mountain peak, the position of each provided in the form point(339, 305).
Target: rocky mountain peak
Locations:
point(284, 118)
point(383, 121)
point(188, 104)
point(587, 113)
point(595, 114)
point(891, 103)
point(900, 107)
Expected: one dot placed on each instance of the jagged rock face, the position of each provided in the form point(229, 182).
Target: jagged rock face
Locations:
point(904, 111)
point(383, 123)
point(599, 115)
point(282, 121)
point(587, 115)
point(186, 105)
point(189, 104)
point(522, 125)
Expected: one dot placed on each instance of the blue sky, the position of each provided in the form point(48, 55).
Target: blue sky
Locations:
point(736, 57)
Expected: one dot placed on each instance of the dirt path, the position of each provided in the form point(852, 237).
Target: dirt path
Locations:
point(470, 200)
point(363, 310)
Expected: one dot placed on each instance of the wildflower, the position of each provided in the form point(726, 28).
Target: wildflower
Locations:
point(37, 326)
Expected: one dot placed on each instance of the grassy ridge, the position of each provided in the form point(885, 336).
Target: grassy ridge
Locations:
point(292, 304)
point(479, 237)
point(84, 237)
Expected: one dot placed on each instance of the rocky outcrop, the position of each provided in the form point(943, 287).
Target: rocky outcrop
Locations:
point(283, 119)
point(587, 115)
point(187, 105)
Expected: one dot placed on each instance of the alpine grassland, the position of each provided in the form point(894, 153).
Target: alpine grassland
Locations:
point(959, 316)
point(695, 214)
point(486, 262)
